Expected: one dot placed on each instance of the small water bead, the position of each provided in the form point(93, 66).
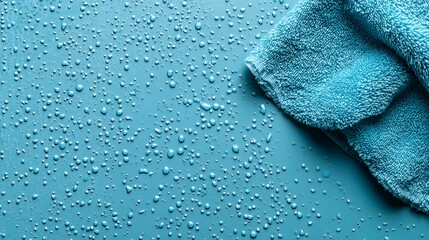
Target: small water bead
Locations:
point(211, 79)
point(253, 234)
point(212, 122)
point(267, 149)
point(170, 73)
point(205, 106)
point(172, 84)
point(170, 153)
point(119, 112)
point(180, 151)
point(170, 209)
point(198, 26)
point(79, 88)
point(268, 139)
point(235, 148)
point(124, 152)
point(62, 145)
point(103, 110)
point(52, 8)
point(326, 173)
point(262, 109)
point(181, 139)
point(166, 170)
point(216, 106)
point(191, 224)
point(129, 189)
point(95, 169)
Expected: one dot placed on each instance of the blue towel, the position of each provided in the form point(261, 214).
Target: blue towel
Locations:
point(359, 71)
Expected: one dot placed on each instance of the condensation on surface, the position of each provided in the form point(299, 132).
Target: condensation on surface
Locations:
point(139, 120)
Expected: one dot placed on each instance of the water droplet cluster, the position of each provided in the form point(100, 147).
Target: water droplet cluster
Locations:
point(138, 120)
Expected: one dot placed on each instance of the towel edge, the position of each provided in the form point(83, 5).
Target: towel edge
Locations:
point(267, 82)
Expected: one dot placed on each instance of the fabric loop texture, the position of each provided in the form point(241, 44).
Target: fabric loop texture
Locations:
point(359, 71)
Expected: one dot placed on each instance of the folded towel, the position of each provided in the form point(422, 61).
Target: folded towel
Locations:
point(359, 71)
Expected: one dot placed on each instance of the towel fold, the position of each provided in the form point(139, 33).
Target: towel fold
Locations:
point(359, 71)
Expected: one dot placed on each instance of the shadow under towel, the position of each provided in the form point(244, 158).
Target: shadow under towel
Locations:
point(359, 71)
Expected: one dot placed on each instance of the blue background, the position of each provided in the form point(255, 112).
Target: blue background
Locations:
point(95, 96)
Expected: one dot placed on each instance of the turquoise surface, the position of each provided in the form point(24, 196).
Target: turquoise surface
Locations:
point(139, 120)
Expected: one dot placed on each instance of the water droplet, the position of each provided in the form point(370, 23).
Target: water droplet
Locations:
point(205, 106)
point(124, 152)
point(79, 88)
point(268, 140)
point(235, 148)
point(170, 153)
point(170, 73)
point(172, 84)
point(191, 224)
point(262, 109)
point(166, 170)
point(326, 173)
point(211, 79)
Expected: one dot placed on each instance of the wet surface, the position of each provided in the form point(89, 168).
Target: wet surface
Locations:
point(139, 120)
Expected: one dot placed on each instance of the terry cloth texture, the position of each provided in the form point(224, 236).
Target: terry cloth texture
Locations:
point(359, 71)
